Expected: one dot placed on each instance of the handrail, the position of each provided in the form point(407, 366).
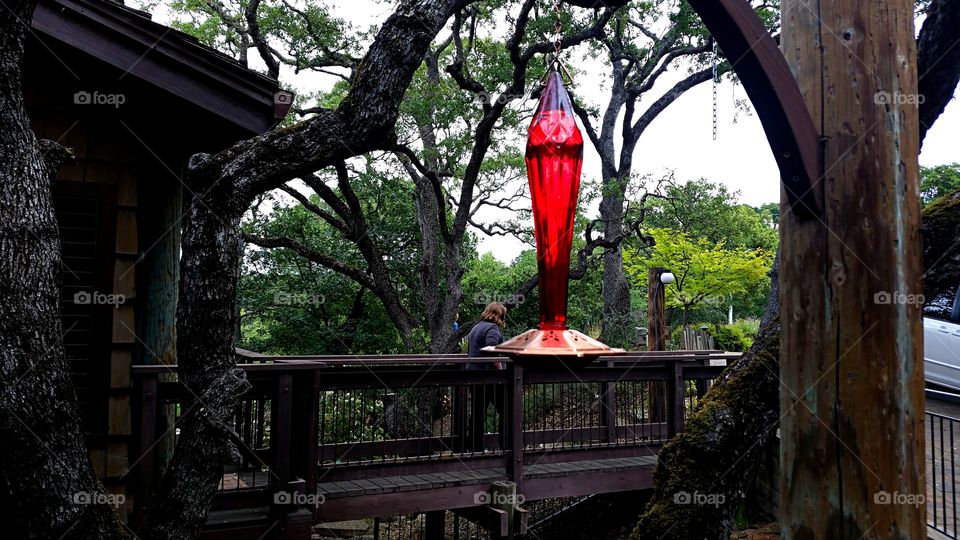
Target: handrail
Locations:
point(308, 414)
point(307, 362)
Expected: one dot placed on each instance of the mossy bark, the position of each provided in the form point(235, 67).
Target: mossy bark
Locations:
point(941, 246)
point(705, 471)
point(719, 452)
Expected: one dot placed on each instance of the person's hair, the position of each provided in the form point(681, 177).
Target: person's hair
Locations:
point(495, 312)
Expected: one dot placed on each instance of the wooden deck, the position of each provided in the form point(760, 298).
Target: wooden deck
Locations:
point(393, 495)
point(334, 433)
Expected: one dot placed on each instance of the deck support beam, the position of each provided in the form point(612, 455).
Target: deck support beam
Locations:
point(435, 524)
point(851, 346)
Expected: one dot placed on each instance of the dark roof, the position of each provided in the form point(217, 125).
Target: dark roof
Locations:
point(169, 59)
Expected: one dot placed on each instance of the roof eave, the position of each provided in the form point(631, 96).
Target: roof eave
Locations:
point(163, 57)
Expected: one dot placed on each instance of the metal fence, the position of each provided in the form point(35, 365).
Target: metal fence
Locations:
point(941, 473)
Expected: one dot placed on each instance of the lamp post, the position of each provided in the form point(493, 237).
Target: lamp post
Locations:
point(657, 280)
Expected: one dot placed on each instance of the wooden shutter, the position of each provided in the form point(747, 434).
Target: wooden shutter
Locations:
point(86, 217)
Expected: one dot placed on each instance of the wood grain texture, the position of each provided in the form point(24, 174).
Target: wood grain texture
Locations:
point(851, 371)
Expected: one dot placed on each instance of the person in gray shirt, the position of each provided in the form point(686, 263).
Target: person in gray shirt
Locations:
point(485, 333)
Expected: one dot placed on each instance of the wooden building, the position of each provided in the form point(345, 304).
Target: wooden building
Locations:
point(134, 100)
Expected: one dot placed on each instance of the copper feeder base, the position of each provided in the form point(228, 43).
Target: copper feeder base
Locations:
point(539, 347)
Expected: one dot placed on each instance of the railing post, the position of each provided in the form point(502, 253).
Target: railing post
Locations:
point(146, 467)
point(304, 439)
point(281, 428)
point(515, 407)
point(289, 491)
point(608, 409)
point(460, 423)
point(435, 525)
point(675, 397)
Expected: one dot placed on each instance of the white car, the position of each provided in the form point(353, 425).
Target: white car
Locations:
point(941, 348)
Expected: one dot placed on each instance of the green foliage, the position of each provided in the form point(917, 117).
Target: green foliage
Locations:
point(708, 210)
point(307, 37)
point(290, 305)
point(736, 337)
point(706, 272)
point(770, 214)
point(351, 415)
point(938, 181)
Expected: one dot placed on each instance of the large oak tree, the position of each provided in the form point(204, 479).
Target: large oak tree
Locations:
point(45, 463)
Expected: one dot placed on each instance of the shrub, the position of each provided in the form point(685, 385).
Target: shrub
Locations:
point(736, 337)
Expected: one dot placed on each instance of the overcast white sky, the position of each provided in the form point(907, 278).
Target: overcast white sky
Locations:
point(680, 139)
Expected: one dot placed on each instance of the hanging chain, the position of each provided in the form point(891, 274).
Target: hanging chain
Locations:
point(557, 32)
point(558, 44)
point(716, 84)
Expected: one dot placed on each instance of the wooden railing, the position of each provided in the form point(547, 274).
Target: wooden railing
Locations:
point(309, 420)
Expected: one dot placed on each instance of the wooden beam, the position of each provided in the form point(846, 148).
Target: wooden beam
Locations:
point(773, 91)
point(851, 345)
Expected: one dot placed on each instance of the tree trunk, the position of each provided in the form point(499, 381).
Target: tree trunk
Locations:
point(53, 492)
point(205, 332)
point(224, 185)
point(941, 251)
point(720, 449)
point(938, 61)
point(617, 323)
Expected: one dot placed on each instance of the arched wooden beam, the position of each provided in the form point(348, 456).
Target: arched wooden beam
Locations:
point(772, 88)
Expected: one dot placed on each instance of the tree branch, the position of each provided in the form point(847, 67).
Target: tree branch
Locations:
point(665, 100)
point(266, 53)
point(306, 203)
point(938, 60)
point(352, 272)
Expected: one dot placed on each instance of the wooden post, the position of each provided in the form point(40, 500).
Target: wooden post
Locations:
point(515, 425)
point(304, 439)
point(460, 425)
point(675, 397)
point(608, 409)
point(435, 525)
point(851, 345)
point(147, 386)
point(504, 498)
point(656, 321)
point(656, 337)
point(281, 429)
point(158, 273)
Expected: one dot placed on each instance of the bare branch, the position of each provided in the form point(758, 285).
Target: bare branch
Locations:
point(665, 100)
point(352, 272)
point(328, 196)
point(308, 204)
point(253, 27)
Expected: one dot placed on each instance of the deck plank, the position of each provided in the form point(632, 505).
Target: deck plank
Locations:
point(440, 480)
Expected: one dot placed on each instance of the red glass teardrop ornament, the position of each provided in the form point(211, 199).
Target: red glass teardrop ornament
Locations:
point(554, 159)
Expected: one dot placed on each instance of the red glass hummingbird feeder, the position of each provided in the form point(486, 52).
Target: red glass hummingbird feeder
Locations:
point(554, 158)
